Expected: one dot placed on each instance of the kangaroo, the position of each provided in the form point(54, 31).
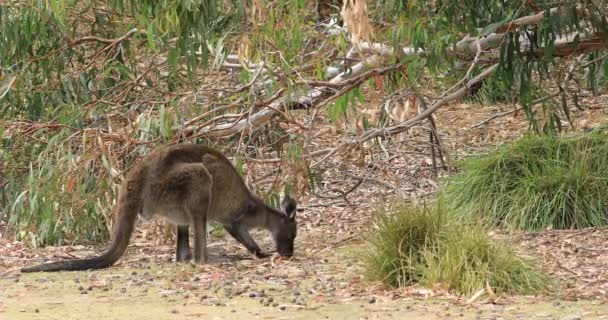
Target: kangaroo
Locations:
point(189, 184)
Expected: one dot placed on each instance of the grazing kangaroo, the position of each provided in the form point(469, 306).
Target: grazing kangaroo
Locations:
point(189, 184)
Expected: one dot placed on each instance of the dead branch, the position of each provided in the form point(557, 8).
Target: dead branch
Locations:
point(313, 97)
point(103, 40)
point(378, 132)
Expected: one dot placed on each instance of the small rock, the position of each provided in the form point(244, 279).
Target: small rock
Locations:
point(36, 310)
point(252, 295)
point(282, 308)
point(372, 300)
point(174, 311)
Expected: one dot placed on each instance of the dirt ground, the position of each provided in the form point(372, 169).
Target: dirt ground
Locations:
point(324, 284)
point(325, 279)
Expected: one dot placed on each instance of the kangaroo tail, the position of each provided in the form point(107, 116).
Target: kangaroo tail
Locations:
point(122, 234)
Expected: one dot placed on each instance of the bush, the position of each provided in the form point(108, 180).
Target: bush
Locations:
point(51, 196)
point(418, 245)
point(536, 183)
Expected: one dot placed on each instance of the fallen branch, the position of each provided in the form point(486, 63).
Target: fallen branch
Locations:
point(313, 96)
point(378, 132)
point(103, 40)
point(407, 124)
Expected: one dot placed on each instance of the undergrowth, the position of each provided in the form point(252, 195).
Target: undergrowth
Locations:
point(51, 196)
point(410, 245)
point(535, 183)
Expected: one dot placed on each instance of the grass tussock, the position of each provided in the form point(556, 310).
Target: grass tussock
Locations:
point(418, 245)
point(536, 183)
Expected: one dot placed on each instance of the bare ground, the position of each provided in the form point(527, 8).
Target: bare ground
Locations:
point(325, 279)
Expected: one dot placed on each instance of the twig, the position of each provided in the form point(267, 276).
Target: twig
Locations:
point(365, 179)
point(102, 40)
point(112, 44)
point(498, 115)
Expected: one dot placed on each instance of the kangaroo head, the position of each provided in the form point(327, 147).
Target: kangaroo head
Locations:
point(285, 234)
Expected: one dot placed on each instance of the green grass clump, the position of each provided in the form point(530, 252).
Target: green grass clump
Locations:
point(538, 182)
point(398, 242)
point(469, 260)
point(418, 245)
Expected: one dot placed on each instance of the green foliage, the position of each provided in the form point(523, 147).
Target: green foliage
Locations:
point(530, 61)
point(52, 72)
point(535, 183)
point(410, 245)
point(344, 103)
point(50, 195)
point(492, 91)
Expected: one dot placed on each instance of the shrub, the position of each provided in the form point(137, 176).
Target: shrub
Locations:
point(538, 182)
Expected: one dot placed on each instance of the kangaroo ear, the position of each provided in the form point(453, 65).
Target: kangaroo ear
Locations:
point(289, 206)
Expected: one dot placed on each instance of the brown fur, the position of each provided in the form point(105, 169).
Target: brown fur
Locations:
point(189, 184)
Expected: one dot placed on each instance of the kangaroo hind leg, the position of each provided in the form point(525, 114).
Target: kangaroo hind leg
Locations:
point(200, 202)
point(182, 248)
